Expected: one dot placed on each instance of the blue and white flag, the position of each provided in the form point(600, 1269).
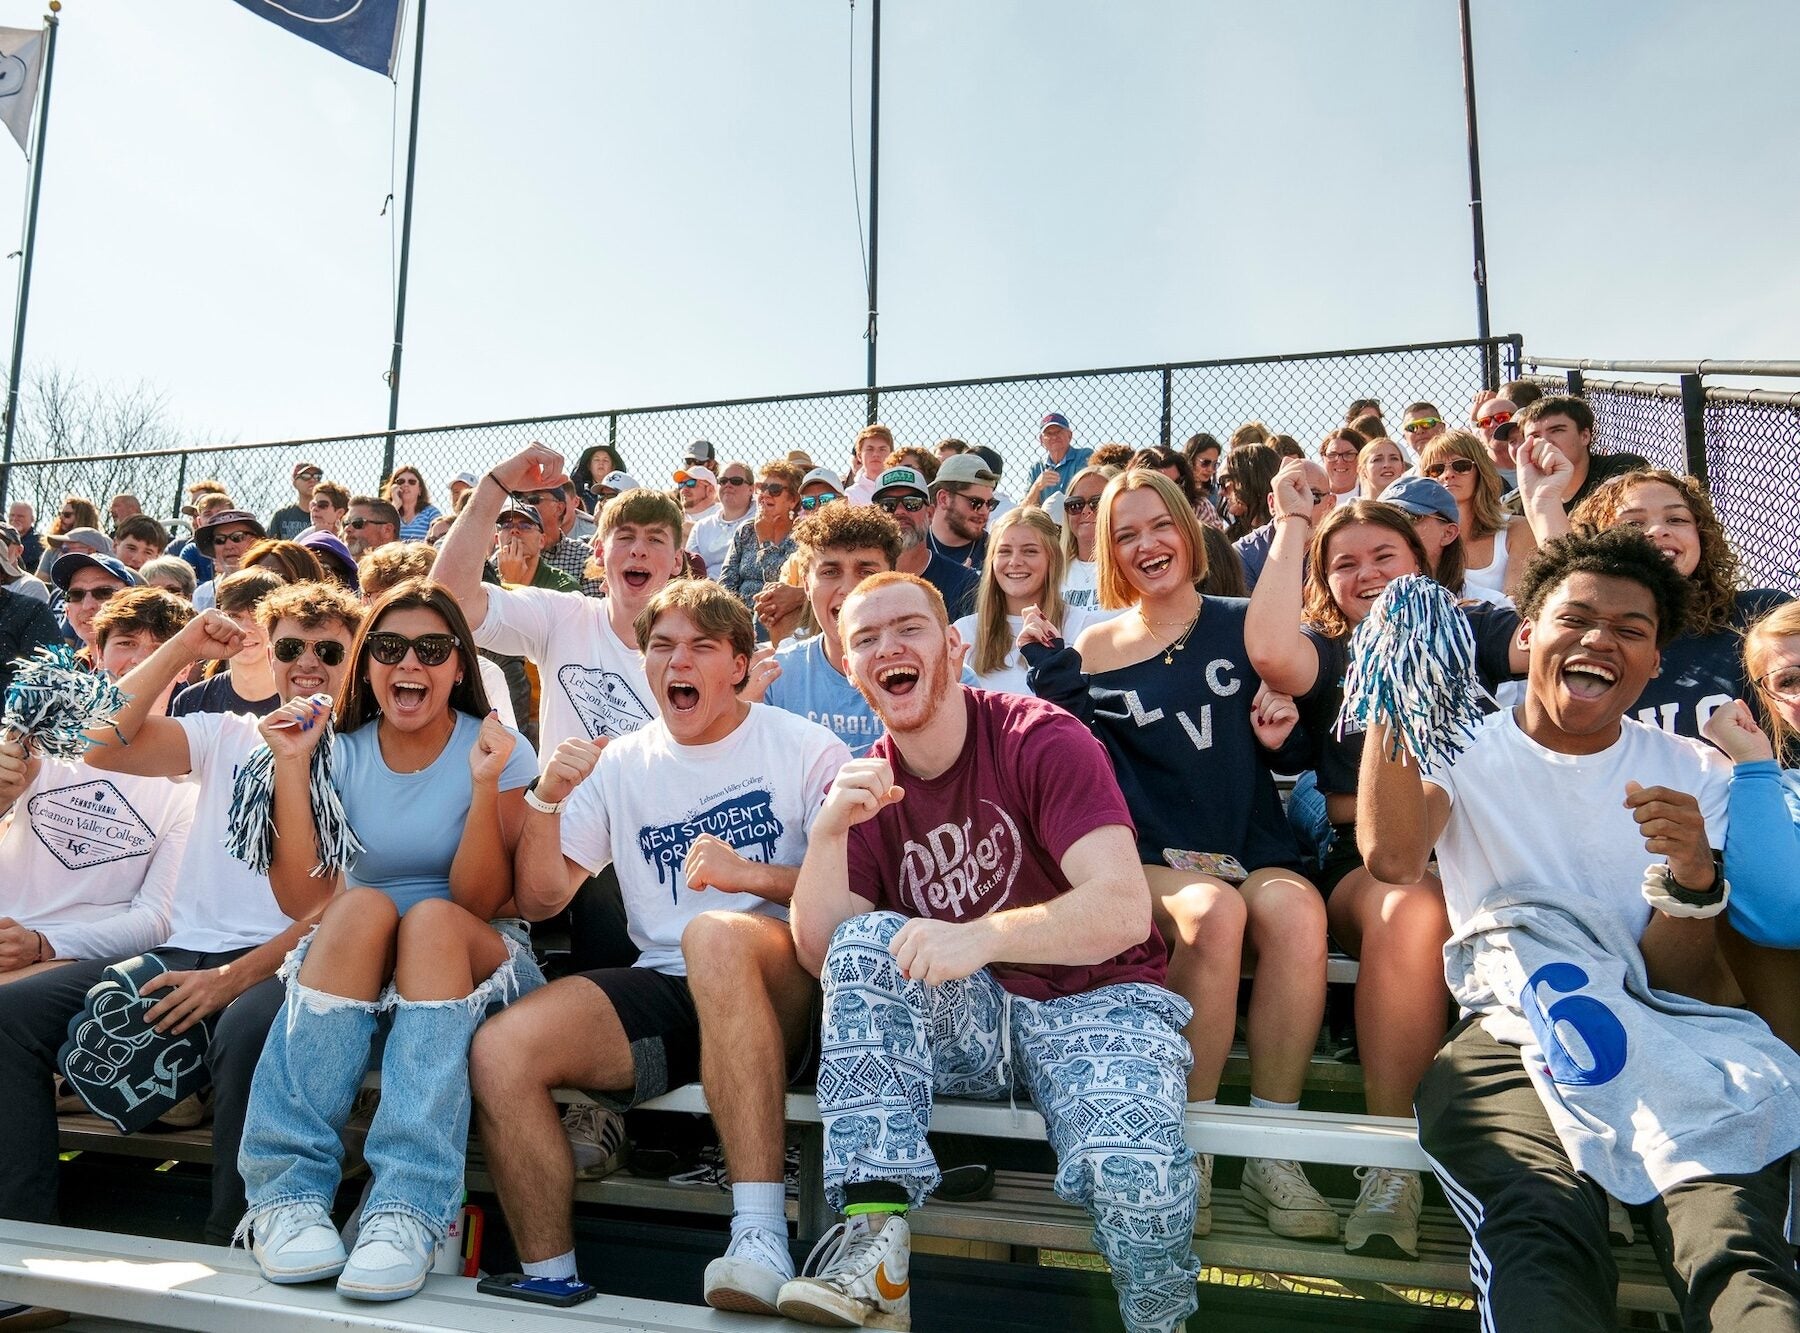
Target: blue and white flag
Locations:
point(364, 32)
point(21, 56)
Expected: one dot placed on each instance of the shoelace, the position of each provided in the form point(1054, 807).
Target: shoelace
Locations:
point(1383, 1188)
point(761, 1246)
point(596, 1124)
point(1286, 1180)
point(396, 1228)
point(840, 1248)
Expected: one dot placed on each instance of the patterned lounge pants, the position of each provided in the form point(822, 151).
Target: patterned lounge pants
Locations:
point(1106, 1069)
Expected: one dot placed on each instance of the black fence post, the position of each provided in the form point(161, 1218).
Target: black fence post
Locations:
point(1577, 386)
point(180, 483)
point(1693, 420)
point(612, 435)
point(1168, 404)
point(1515, 352)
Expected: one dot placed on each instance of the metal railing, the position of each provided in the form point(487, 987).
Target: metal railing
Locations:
point(1743, 445)
point(1302, 394)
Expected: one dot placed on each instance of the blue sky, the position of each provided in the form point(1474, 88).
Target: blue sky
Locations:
point(630, 203)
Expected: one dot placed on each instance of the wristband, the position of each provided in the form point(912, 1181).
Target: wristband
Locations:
point(539, 804)
point(1667, 895)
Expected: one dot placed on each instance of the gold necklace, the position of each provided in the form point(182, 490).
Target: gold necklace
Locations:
point(1170, 649)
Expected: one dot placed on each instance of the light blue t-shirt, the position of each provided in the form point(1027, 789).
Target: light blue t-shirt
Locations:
point(411, 823)
point(809, 686)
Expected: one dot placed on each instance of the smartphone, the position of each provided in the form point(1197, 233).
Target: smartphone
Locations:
point(1216, 864)
point(540, 1290)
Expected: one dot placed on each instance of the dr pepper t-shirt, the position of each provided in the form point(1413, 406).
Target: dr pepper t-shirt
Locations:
point(990, 833)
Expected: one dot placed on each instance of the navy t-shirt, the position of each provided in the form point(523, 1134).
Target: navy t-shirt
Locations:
point(216, 695)
point(1181, 742)
point(956, 582)
point(1700, 672)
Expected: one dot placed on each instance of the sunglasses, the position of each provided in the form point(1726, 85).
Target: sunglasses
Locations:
point(1495, 419)
point(772, 488)
point(518, 525)
point(734, 481)
point(540, 497)
point(233, 538)
point(1783, 683)
point(310, 474)
point(360, 523)
point(688, 483)
point(1082, 506)
point(990, 503)
point(390, 649)
point(812, 502)
point(320, 502)
point(1424, 423)
point(912, 504)
point(329, 651)
point(95, 594)
point(1460, 466)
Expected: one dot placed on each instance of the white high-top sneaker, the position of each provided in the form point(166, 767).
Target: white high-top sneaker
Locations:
point(861, 1278)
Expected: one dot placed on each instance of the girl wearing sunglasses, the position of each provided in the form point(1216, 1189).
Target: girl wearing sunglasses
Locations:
point(1080, 513)
point(1496, 548)
point(761, 546)
point(418, 938)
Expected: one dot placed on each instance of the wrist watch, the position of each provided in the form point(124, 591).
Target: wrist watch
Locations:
point(539, 804)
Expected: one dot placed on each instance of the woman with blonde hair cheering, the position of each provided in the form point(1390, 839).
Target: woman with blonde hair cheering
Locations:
point(1023, 570)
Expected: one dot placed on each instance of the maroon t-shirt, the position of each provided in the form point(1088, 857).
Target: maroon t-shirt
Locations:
point(990, 833)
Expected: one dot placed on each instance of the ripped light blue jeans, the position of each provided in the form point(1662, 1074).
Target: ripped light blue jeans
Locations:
point(317, 1053)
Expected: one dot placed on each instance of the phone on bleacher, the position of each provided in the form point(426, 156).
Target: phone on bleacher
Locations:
point(540, 1290)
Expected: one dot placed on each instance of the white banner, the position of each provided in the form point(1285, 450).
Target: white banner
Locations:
point(21, 56)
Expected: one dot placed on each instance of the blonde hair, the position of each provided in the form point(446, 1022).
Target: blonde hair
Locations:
point(1363, 462)
point(1760, 641)
point(1105, 474)
point(1115, 590)
point(993, 636)
point(1486, 518)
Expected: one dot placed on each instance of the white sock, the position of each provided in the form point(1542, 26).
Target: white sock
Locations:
point(1201, 1103)
point(759, 1203)
point(1264, 1104)
point(562, 1266)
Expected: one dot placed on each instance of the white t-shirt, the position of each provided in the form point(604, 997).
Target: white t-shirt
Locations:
point(91, 859)
point(493, 680)
point(593, 682)
point(222, 904)
point(711, 537)
point(649, 798)
point(1081, 584)
point(1521, 814)
point(862, 490)
point(1010, 678)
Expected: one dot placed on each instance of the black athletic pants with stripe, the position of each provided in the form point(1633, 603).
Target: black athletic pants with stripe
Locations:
point(1539, 1256)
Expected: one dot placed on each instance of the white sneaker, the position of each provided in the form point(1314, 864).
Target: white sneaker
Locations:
point(597, 1138)
point(1203, 1195)
point(1279, 1192)
point(1385, 1221)
point(861, 1278)
point(749, 1276)
point(393, 1254)
point(295, 1242)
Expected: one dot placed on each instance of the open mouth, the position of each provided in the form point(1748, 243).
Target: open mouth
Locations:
point(408, 698)
point(635, 579)
point(1155, 565)
point(1588, 680)
point(898, 681)
point(682, 697)
point(1670, 551)
point(303, 684)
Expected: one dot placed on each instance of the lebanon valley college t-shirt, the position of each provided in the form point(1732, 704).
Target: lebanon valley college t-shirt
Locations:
point(990, 833)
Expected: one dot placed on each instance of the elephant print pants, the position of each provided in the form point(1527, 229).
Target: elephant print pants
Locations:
point(1106, 1069)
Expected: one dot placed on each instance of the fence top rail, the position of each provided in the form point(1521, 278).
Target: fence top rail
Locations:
point(1774, 369)
point(1714, 393)
point(860, 391)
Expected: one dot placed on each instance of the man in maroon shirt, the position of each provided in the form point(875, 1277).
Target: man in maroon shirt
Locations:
point(981, 927)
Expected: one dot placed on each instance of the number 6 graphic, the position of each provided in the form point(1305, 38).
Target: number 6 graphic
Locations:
point(1593, 1022)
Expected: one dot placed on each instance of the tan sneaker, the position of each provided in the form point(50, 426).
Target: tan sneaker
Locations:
point(1203, 1194)
point(861, 1279)
point(1385, 1221)
point(1279, 1193)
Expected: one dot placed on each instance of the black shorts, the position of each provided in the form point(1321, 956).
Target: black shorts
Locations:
point(661, 1024)
point(1341, 860)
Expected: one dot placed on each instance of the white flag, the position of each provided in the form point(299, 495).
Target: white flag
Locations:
point(21, 56)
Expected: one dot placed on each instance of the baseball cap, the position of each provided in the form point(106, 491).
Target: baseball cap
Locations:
point(329, 544)
point(203, 535)
point(902, 478)
point(1055, 419)
point(71, 563)
point(620, 482)
point(304, 466)
point(92, 538)
point(468, 479)
point(989, 455)
point(1420, 496)
point(963, 470)
point(701, 451)
point(697, 474)
point(522, 510)
point(819, 474)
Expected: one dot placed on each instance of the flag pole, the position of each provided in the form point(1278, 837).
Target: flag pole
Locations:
point(412, 160)
point(31, 213)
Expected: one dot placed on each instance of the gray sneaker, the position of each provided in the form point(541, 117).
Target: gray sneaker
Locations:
point(295, 1242)
point(1279, 1192)
point(1385, 1222)
point(393, 1254)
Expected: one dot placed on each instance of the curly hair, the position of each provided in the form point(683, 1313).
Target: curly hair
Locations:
point(1318, 607)
point(157, 613)
point(916, 457)
point(386, 566)
point(311, 606)
point(1716, 579)
point(1617, 553)
point(842, 527)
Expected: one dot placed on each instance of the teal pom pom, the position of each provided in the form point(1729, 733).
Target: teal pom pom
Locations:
point(54, 701)
point(1412, 665)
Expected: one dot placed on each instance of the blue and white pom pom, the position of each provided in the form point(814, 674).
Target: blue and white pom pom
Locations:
point(250, 835)
point(54, 701)
point(1412, 665)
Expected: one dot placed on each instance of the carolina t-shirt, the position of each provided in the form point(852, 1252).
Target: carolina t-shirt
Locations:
point(810, 686)
point(650, 797)
point(990, 832)
point(1702, 672)
point(90, 859)
point(1522, 814)
point(426, 810)
point(221, 903)
point(593, 681)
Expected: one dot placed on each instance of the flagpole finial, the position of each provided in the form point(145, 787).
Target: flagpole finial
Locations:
point(56, 6)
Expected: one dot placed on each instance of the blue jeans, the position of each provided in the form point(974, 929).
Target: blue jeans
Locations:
point(1107, 1069)
point(314, 1061)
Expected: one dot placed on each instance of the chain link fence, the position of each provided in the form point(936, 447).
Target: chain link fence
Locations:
point(1744, 444)
point(1302, 395)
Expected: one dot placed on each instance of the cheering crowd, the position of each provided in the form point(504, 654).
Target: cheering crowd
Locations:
point(875, 778)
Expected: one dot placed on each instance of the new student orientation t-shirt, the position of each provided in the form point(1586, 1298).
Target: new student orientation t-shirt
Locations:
point(593, 681)
point(1522, 814)
point(221, 903)
point(649, 798)
point(990, 832)
point(90, 859)
point(430, 805)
